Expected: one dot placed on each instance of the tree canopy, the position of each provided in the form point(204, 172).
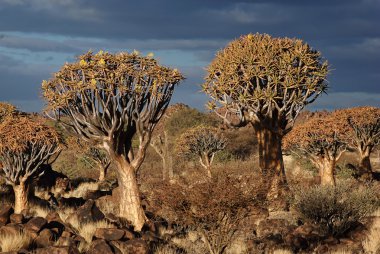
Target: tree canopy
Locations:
point(259, 77)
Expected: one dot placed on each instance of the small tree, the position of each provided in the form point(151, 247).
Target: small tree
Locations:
point(161, 142)
point(323, 139)
point(266, 82)
point(108, 99)
point(365, 132)
point(90, 151)
point(6, 109)
point(203, 142)
point(25, 145)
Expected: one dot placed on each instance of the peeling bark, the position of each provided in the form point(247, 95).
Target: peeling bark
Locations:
point(271, 161)
point(21, 197)
point(130, 202)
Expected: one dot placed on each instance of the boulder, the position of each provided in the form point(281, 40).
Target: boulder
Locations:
point(57, 250)
point(88, 212)
point(5, 213)
point(45, 238)
point(10, 229)
point(273, 227)
point(35, 224)
point(16, 218)
point(99, 247)
point(135, 246)
point(109, 234)
point(128, 234)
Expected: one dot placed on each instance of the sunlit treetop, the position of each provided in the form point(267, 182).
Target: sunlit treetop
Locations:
point(6, 109)
point(364, 123)
point(19, 134)
point(360, 116)
point(118, 74)
point(259, 77)
point(321, 133)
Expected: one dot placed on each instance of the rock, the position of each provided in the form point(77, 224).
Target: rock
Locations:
point(66, 234)
point(53, 216)
point(135, 246)
point(57, 250)
point(109, 234)
point(129, 235)
point(45, 238)
point(50, 178)
point(5, 213)
point(359, 233)
point(99, 247)
point(89, 212)
point(150, 237)
point(16, 218)
point(57, 227)
point(65, 241)
point(10, 229)
point(297, 242)
point(272, 227)
point(35, 224)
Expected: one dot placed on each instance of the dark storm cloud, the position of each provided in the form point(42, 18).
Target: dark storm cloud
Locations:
point(346, 32)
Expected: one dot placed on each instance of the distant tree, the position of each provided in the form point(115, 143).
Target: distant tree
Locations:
point(204, 142)
point(6, 109)
point(108, 99)
point(323, 139)
point(25, 144)
point(161, 142)
point(266, 82)
point(364, 134)
point(90, 151)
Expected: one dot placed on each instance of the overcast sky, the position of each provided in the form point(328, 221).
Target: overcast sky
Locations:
point(38, 36)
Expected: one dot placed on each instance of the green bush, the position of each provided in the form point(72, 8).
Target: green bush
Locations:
point(335, 210)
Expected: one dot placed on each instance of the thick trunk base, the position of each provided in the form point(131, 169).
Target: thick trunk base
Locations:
point(272, 167)
point(130, 202)
point(365, 167)
point(327, 172)
point(21, 198)
point(167, 168)
point(102, 174)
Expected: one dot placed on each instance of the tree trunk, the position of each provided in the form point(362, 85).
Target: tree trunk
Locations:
point(130, 202)
point(327, 170)
point(102, 174)
point(365, 163)
point(167, 167)
point(21, 198)
point(206, 161)
point(271, 161)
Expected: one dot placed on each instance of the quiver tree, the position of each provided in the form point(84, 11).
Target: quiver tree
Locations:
point(7, 109)
point(25, 145)
point(204, 142)
point(91, 152)
point(108, 99)
point(323, 139)
point(161, 142)
point(364, 134)
point(266, 82)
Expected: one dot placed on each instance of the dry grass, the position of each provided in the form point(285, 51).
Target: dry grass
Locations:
point(282, 251)
point(65, 212)
point(341, 251)
point(82, 190)
point(14, 242)
point(372, 243)
point(87, 230)
point(39, 211)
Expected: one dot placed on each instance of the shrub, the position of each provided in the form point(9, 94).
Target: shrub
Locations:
point(372, 243)
point(14, 242)
point(337, 209)
point(215, 209)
